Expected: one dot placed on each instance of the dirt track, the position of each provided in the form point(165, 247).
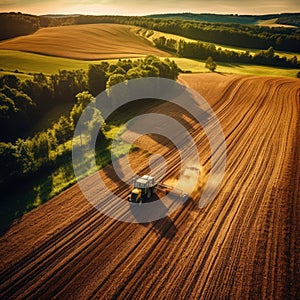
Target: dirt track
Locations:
point(244, 245)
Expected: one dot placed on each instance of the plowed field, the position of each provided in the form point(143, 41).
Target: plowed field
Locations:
point(243, 245)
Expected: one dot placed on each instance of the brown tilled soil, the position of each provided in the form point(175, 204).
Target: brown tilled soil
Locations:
point(243, 245)
point(91, 41)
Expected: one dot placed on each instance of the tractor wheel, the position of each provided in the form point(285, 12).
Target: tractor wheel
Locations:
point(149, 194)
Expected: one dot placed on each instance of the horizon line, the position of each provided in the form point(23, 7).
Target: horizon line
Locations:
point(154, 14)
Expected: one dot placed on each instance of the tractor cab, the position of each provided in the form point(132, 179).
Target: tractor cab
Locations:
point(136, 194)
point(143, 189)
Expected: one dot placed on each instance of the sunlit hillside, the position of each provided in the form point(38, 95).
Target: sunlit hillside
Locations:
point(91, 41)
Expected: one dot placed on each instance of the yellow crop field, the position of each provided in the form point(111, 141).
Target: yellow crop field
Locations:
point(89, 42)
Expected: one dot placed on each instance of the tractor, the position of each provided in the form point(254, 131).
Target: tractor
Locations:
point(143, 189)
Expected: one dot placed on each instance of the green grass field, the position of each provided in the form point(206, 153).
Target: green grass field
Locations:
point(197, 66)
point(26, 62)
point(21, 76)
point(30, 63)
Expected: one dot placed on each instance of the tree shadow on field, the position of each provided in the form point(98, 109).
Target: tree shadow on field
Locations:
point(219, 73)
point(29, 192)
point(21, 197)
point(230, 65)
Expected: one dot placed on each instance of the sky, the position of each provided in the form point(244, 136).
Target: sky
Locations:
point(145, 7)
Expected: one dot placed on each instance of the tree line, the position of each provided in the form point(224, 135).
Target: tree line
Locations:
point(200, 50)
point(288, 19)
point(283, 18)
point(22, 102)
point(15, 24)
point(239, 35)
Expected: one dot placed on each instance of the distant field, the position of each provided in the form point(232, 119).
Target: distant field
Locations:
point(272, 23)
point(152, 35)
point(91, 41)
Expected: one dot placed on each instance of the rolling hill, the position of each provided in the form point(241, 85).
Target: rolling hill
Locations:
point(90, 42)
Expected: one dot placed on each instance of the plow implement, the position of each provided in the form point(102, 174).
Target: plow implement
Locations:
point(145, 187)
point(167, 189)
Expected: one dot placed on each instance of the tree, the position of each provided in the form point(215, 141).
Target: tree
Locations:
point(66, 84)
point(294, 60)
point(10, 165)
point(16, 110)
point(125, 64)
point(160, 42)
point(40, 91)
point(84, 98)
point(151, 71)
point(115, 69)
point(115, 94)
point(173, 69)
point(24, 153)
point(40, 78)
point(270, 53)
point(136, 72)
point(7, 106)
point(210, 64)
point(115, 79)
point(10, 80)
point(41, 148)
point(180, 48)
point(97, 78)
point(52, 139)
point(163, 68)
point(63, 130)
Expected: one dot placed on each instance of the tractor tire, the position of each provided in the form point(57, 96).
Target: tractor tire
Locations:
point(149, 194)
